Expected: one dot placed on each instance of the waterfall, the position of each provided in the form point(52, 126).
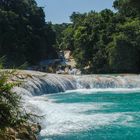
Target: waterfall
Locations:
point(40, 83)
point(68, 112)
point(108, 81)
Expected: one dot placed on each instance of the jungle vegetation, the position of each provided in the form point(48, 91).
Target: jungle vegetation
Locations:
point(106, 41)
point(24, 34)
point(100, 42)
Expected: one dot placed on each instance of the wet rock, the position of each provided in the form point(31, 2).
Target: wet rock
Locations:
point(21, 132)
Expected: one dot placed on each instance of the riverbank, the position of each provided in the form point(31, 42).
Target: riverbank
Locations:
point(15, 123)
point(25, 131)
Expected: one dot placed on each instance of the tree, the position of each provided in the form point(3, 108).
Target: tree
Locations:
point(24, 35)
point(105, 42)
point(126, 7)
point(124, 50)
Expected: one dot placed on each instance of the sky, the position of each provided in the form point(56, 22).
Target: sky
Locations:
point(59, 11)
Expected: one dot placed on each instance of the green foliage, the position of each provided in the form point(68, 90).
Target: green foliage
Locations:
point(101, 42)
point(105, 42)
point(23, 66)
point(24, 35)
point(2, 60)
point(10, 109)
point(59, 28)
point(127, 8)
point(9, 101)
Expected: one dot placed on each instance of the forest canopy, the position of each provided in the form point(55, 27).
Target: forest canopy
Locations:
point(106, 41)
point(100, 42)
point(24, 34)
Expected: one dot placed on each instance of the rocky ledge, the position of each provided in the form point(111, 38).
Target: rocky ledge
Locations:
point(21, 132)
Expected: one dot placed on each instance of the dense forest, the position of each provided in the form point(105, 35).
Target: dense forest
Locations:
point(106, 41)
point(100, 42)
point(24, 34)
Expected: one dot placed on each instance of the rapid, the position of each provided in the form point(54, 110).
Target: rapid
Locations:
point(92, 107)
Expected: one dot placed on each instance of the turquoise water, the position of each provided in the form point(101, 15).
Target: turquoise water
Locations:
point(110, 114)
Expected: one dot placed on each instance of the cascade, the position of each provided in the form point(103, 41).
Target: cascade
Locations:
point(88, 104)
point(40, 84)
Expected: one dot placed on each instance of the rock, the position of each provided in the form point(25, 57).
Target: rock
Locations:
point(36, 128)
point(25, 132)
point(7, 134)
point(21, 132)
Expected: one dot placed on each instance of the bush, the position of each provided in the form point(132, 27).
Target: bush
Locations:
point(9, 100)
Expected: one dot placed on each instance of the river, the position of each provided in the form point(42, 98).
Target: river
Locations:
point(105, 111)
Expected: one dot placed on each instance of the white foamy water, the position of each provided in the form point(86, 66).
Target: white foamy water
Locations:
point(114, 90)
point(66, 112)
point(63, 118)
point(51, 83)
